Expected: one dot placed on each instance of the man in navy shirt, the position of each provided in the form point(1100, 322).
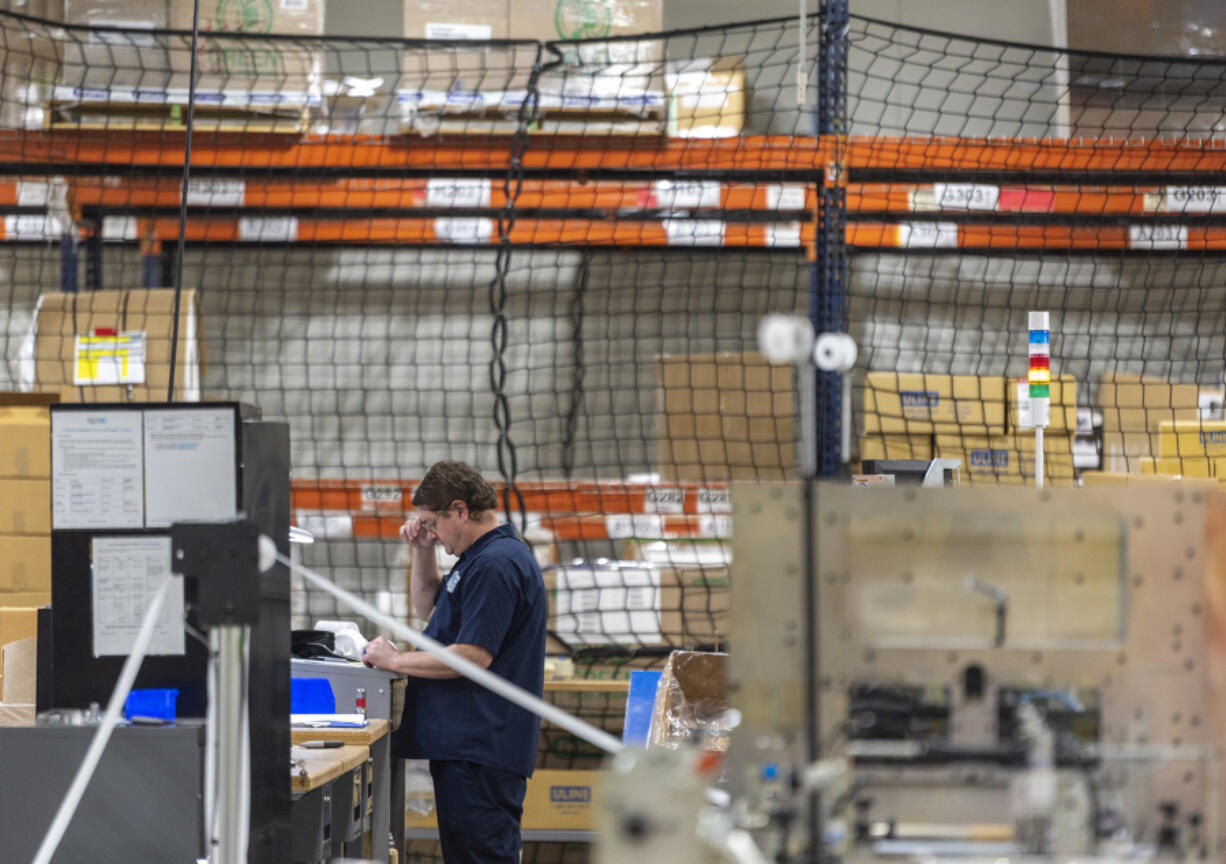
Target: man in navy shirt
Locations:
point(491, 610)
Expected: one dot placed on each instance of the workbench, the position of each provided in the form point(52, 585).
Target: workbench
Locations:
point(375, 739)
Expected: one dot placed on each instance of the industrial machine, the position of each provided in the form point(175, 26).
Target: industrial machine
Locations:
point(970, 674)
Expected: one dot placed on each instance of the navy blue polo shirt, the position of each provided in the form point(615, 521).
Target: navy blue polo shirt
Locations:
point(494, 597)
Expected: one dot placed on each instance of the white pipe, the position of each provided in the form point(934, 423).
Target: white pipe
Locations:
point(801, 62)
point(1038, 457)
point(471, 671)
point(210, 750)
point(85, 773)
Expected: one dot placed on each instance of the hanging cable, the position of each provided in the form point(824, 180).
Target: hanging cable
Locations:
point(187, 170)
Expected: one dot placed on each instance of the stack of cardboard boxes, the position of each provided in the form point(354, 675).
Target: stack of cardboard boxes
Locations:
point(978, 419)
point(25, 512)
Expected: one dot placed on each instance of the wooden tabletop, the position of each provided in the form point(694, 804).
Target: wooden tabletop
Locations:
point(367, 735)
point(590, 685)
point(314, 768)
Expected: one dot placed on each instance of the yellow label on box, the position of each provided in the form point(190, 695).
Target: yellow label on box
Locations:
point(112, 359)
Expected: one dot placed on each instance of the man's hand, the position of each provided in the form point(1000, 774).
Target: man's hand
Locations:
point(380, 654)
point(413, 533)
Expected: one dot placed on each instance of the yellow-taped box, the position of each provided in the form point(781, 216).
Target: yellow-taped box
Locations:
point(896, 447)
point(1006, 459)
point(1063, 417)
point(1184, 439)
point(910, 403)
point(555, 800)
point(1192, 466)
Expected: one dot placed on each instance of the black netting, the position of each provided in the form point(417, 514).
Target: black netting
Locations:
point(550, 259)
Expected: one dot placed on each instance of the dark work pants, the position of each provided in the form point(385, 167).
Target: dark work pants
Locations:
point(479, 809)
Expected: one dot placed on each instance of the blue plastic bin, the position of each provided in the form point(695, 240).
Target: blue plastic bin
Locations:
point(311, 696)
point(156, 704)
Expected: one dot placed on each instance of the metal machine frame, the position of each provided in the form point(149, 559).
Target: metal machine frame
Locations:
point(1159, 677)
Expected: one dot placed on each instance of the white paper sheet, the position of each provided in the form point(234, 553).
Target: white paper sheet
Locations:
point(97, 469)
point(127, 572)
point(190, 465)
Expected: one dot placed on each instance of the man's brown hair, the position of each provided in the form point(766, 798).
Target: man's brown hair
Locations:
point(451, 480)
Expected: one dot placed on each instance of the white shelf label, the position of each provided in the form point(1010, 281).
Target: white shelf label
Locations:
point(458, 192)
point(715, 525)
point(33, 193)
point(664, 499)
point(119, 228)
point(1157, 236)
point(1193, 199)
point(928, 235)
point(625, 526)
point(687, 194)
point(965, 196)
point(444, 30)
point(273, 229)
point(326, 526)
point(785, 196)
point(463, 231)
point(218, 192)
point(714, 500)
point(694, 232)
point(784, 235)
point(32, 226)
point(374, 495)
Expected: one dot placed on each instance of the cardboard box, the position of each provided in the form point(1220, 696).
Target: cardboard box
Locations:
point(692, 696)
point(1008, 459)
point(25, 565)
point(17, 623)
point(555, 800)
point(1123, 450)
point(554, 20)
point(637, 604)
point(900, 403)
point(18, 660)
point(62, 359)
point(25, 443)
point(724, 416)
point(1063, 417)
point(25, 506)
point(1132, 403)
point(706, 98)
point(1192, 467)
point(1191, 439)
point(282, 72)
point(896, 447)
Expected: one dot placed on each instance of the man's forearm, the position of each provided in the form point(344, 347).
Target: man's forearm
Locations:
point(424, 581)
point(419, 664)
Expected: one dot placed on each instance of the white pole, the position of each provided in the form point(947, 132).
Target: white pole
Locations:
point(1038, 457)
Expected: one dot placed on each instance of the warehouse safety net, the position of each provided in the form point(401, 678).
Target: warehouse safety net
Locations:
point(549, 255)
